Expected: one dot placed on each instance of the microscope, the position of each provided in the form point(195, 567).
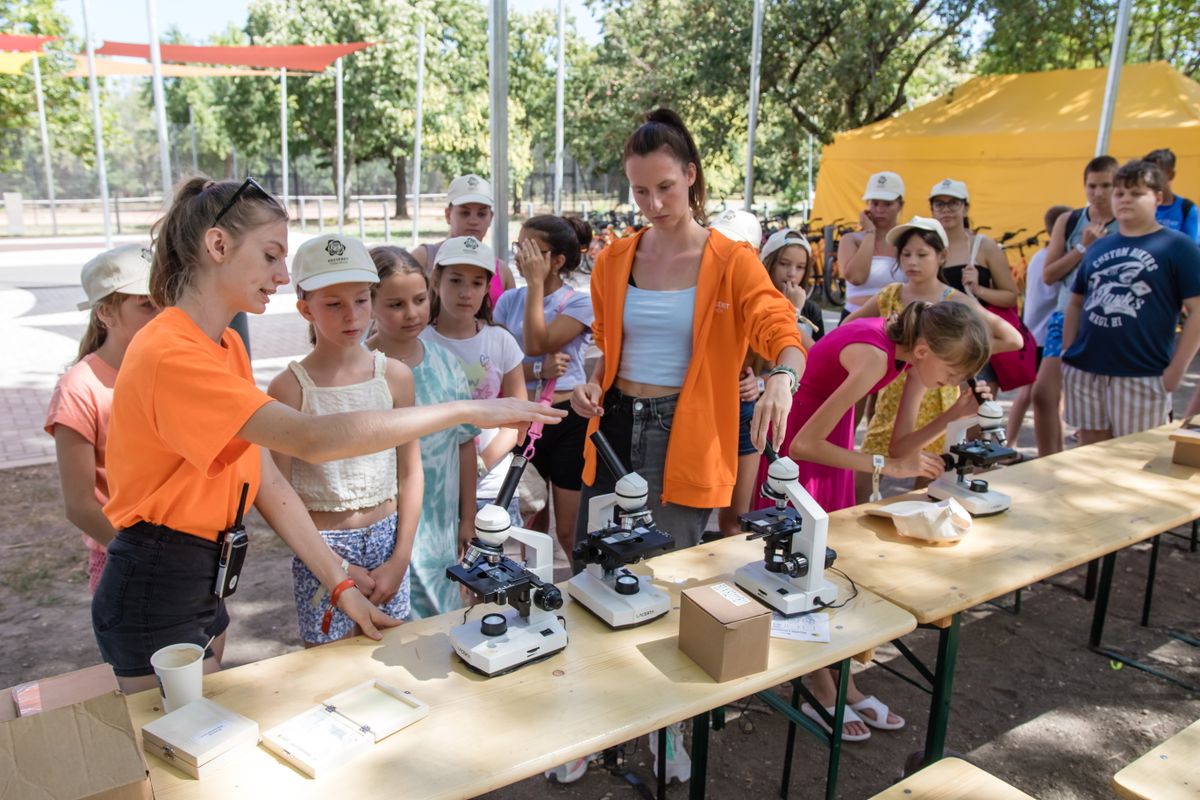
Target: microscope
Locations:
point(964, 457)
point(502, 642)
point(621, 531)
point(791, 576)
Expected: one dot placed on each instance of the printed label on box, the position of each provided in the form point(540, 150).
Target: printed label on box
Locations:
point(730, 594)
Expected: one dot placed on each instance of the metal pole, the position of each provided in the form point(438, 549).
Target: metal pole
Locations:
point(192, 128)
point(387, 224)
point(41, 106)
point(808, 195)
point(1115, 62)
point(341, 142)
point(283, 130)
point(97, 128)
point(416, 178)
point(558, 109)
point(362, 230)
point(755, 60)
point(160, 105)
point(498, 67)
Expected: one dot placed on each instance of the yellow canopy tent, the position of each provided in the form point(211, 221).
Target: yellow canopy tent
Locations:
point(1020, 142)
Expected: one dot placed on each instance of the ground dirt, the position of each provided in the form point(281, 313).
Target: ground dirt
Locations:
point(1031, 703)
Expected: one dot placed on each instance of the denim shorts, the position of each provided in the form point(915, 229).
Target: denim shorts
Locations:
point(745, 416)
point(638, 429)
point(156, 590)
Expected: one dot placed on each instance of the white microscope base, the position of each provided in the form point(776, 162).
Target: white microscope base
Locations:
point(780, 593)
point(619, 610)
point(978, 504)
point(525, 641)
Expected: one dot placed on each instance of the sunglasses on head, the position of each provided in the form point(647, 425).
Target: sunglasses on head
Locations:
point(247, 185)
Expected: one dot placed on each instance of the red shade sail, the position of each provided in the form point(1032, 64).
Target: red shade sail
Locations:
point(23, 44)
point(300, 57)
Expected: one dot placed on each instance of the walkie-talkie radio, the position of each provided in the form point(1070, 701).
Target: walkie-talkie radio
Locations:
point(233, 542)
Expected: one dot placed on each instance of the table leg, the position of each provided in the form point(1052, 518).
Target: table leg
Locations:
point(835, 739)
point(791, 742)
point(662, 763)
point(699, 756)
point(1195, 536)
point(1149, 596)
point(1089, 588)
point(939, 708)
point(1101, 609)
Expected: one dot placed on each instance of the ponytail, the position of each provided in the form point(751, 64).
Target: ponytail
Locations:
point(954, 332)
point(566, 237)
point(663, 129)
point(179, 235)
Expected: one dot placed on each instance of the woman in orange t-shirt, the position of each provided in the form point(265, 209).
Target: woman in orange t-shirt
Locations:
point(190, 429)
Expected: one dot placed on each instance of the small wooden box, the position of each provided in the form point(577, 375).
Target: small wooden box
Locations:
point(1187, 444)
point(189, 738)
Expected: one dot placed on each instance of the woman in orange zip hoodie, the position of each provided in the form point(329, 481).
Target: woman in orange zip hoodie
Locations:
point(675, 307)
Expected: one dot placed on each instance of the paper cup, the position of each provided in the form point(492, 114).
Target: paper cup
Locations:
point(180, 672)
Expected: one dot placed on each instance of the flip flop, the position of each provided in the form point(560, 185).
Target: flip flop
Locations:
point(880, 711)
point(849, 716)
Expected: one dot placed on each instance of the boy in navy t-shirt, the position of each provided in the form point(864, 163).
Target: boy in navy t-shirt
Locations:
point(1121, 361)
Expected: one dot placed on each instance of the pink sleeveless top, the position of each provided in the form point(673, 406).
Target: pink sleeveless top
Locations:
point(832, 487)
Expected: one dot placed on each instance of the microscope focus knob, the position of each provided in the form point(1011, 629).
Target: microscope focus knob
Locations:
point(494, 624)
point(628, 584)
point(548, 598)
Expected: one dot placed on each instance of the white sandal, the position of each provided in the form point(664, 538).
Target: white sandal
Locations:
point(847, 718)
point(880, 710)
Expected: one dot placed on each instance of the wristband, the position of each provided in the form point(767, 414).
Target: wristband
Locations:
point(1080, 248)
point(537, 370)
point(877, 464)
point(791, 373)
point(336, 595)
point(762, 386)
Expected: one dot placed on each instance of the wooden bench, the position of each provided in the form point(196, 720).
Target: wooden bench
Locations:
point(952, 779)
point(1170, 771)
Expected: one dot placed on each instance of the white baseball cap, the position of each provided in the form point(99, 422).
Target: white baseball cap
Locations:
point(884, 186)
point(466, 250)
point(469, 189)
point(949, 188)
point(784, 238)
point(124, 269)
point(330, 259)
point(738, 225)
point(920, 224)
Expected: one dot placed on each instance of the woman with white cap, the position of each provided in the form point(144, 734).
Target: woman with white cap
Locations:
point(975, 264)
point(866, 259)
point(117, 283)
point(469, 212)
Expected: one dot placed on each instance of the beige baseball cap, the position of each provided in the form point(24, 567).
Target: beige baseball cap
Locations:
point(469, 189)
point(921, 224)
point(331, 259)
point(466, 250)
point(784, 238)
point(884, 186)
point(738, 225)
point(949, 187)
point(124, 269)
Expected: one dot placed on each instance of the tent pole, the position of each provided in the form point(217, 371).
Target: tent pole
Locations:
point(498, 62)
point(283, 131)
point(97, 128)
point(808, 194)
point(41, 106)
point(341, 143)
point(755, 61)
point(416, 177)
point(1112, 86)
point(160, 106)
point(558, 109)
point(192, 129)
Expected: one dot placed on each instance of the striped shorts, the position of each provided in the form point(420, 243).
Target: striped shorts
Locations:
point(1123, 405)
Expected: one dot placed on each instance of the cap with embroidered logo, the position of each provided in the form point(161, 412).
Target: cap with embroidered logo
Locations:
point(469, 189)
point(784, 238)
point(741, 226)
point(124, 269)
point(465, 250)
point(884, 186)
point(949, 188)
point(331, 259)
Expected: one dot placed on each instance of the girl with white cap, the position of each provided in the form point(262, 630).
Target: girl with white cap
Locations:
point(866, 259)
point(366, 508)
point(117, 283)
point(975, 264)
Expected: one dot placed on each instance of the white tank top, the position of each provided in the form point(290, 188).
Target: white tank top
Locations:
point(348, 483)
point(883, 272)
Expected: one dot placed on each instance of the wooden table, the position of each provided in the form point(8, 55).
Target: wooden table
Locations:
point(952, 779)
point(606, 688)
point(1068, 509)
point(1170, 771)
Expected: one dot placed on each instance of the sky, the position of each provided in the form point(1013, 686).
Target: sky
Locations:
point(122, 20)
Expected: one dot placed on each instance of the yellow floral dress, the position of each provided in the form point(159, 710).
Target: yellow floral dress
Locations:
point(887, 402)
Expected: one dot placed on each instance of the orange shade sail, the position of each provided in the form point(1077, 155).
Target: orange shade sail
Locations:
point(300, 57)
point(106, 67)
point(23, 44)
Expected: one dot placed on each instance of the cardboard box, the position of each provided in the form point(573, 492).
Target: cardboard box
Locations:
point(80, 745)
point(1187, 445)
point(724, 630)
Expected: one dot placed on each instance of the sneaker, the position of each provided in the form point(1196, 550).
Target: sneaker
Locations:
point(679, 764)
point(571, 771)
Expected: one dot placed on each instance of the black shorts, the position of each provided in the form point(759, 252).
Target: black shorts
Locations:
point(558, 455)
point(156, 590)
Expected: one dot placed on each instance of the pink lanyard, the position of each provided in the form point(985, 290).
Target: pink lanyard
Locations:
point(547, 395)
